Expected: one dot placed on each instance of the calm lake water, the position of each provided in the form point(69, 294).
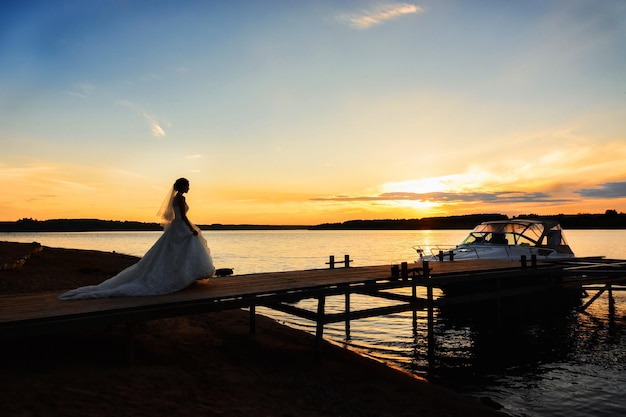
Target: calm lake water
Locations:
point(565, 363)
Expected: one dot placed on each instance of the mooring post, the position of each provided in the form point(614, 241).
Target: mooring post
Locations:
point(252, 319)
point(451, 255)
point(404, 266)
point(533, 261)
point(523, 261)
point(395, 272)
point(319, 331)
point(440, 255)
point(346, 261)
point(611, 302)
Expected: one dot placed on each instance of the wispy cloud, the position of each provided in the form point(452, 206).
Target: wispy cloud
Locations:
point(473, 197)
point(196, 156)
point(155, 127)
point(379, 14)
point(83, 90)
point(77, 186)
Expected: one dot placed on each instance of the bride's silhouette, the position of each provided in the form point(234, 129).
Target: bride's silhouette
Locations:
point(177, 259)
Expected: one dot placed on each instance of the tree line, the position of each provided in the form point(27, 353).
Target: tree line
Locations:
point(610, 219)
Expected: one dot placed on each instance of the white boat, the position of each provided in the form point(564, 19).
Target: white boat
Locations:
point(507, 240)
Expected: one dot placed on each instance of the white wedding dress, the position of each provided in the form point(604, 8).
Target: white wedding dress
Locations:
point(175, 261)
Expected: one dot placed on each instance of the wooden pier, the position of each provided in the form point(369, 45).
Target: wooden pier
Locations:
point(29, 314)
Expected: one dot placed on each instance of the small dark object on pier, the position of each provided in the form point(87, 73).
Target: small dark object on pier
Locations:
point(223, 272)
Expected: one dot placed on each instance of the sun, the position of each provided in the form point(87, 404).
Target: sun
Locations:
point(420, 186)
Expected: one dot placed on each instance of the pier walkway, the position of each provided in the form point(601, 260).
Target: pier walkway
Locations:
point(29, 314)
point(43, 312)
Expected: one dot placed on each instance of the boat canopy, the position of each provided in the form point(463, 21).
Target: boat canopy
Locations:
point(518, 232)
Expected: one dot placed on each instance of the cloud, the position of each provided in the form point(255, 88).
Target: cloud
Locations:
point(83, 90)
point(379, 14)
point(73, 185)
point(196, 156)
point(606, 190)
point(473, 197)
point(155, 127)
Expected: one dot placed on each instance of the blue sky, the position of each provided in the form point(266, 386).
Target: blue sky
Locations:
point(306, 112)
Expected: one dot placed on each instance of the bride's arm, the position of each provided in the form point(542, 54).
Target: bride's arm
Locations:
point(180, 200)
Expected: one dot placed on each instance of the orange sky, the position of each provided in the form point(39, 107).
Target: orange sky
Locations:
point(305, 113)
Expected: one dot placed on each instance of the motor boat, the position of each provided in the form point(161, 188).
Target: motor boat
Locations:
point(507, 240)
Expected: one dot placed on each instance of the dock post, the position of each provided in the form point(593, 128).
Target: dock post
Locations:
point(451, 255)
point(319, 331)
point(414, 301)
point(347, 315)
point(533, 261)
point(440, 256)
point(252, 319)
point(431, 327)
point(523, 261)
point(331, 261)
point(395, 272)
point(611, 302)
point(430, 330)
point(404, 266)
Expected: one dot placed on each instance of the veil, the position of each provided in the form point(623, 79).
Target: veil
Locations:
point(166, 212)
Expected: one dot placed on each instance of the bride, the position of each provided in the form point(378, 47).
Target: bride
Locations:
point(177, 259)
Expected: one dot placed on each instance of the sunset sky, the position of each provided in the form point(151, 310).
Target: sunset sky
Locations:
point(305, 112)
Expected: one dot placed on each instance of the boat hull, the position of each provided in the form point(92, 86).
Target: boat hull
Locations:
point(508, 240)
point(501, 252)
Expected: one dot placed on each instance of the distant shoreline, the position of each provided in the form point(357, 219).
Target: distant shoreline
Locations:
point(608, 220)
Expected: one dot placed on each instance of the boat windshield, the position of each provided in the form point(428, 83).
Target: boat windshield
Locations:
point(531, 233)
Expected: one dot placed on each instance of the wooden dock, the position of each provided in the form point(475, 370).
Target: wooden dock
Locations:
point(29, 314)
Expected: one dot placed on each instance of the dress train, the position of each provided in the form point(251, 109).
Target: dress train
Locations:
point(176, 260)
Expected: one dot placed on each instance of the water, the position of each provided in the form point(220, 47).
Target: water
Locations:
point(560, 364)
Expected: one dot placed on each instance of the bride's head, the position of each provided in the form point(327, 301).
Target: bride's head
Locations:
point(181, 185)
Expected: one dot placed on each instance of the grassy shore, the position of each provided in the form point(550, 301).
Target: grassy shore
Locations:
point(202, 365)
